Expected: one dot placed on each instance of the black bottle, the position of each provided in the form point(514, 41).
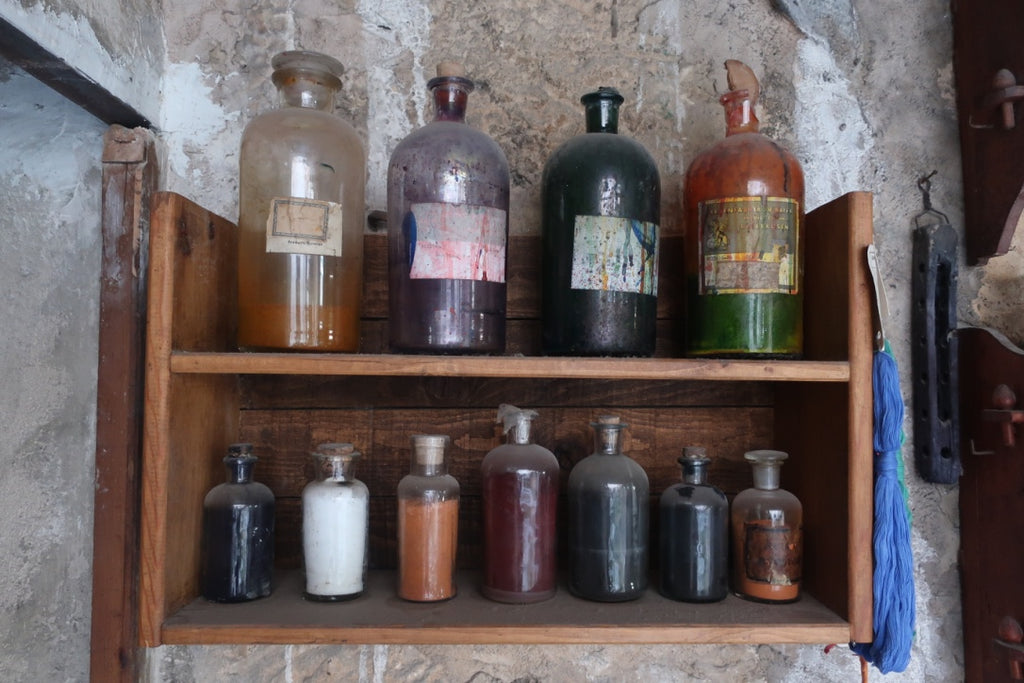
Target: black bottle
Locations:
point(238, 533)
point(694, 535)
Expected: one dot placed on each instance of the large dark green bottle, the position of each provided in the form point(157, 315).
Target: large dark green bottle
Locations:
point(601, 209)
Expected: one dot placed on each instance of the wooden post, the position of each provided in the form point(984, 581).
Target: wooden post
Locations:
point(129, 177)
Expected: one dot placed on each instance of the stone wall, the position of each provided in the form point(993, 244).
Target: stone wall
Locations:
point(862, 93)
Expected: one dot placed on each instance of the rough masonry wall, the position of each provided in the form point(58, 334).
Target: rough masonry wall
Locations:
point(861, 92)
point(49, 266)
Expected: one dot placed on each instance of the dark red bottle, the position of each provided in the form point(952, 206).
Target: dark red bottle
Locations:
point(520, 496)
point(448, 189)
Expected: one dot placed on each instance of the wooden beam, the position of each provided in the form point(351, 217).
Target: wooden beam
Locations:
point(129, 177)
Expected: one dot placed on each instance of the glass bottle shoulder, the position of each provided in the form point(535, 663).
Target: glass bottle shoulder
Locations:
point(437, 487)
point(519, 458)
point(605, 471)
point(290, 125)
point(693, 494)
point(607, 149)
point(739, 163)
point(446, 140)
point(349, 488)
point(229, 493)
point(754, 503)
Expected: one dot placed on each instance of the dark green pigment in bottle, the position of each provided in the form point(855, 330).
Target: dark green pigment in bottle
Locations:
point(601, 212)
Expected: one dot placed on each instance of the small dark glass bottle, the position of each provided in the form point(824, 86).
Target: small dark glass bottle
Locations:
point(601, 199)
point(694, 534)
point(238, 533)
point(448, 190)
point(520, 497)
point(744, 205)
point(608, 511)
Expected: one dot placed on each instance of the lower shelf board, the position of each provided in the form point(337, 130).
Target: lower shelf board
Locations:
point(379, 616)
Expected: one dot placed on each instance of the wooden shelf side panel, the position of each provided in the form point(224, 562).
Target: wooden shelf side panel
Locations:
point(827, 428)
point(191, 306)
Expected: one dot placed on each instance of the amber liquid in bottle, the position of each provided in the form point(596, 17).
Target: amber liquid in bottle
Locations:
point(744, 207)
point(301, 215)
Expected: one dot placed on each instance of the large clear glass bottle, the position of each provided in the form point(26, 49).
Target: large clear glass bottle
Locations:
point(743, 201)
point(237, 551)
point(694, 531)
point(302, 178)
point(520, 499)
point(335, 516)
point(767, 534)
point(448, 191)
point(608, 511)
point(601, 208)
point(428, 523)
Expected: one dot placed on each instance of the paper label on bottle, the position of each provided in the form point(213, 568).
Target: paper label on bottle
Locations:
point(615, 254)
point(748, 245)
point(304, 226)
point(772, 555)
point(456, 242)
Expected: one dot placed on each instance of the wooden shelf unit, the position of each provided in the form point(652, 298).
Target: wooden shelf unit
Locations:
point(201, 395)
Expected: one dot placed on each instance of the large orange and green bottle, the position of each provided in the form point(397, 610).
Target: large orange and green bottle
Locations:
point(744, 258)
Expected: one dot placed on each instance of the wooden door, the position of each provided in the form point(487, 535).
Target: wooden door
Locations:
point(989, 67)
point(992, 505)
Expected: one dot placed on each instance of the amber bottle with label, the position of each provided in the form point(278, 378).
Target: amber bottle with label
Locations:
point(767, 535)
point(744, 206)
point(302, 177)
point(601, 209)
point(448, 189)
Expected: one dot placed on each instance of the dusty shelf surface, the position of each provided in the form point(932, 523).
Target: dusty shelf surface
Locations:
point(191, 362)
point(378, 616)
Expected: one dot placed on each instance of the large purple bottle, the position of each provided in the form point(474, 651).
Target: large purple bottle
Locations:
point(448, 189)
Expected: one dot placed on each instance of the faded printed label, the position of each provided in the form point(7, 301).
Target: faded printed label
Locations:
point(615, 254)
point(456, 242)
point(304, 226)
point(772, 554)
point(748, 245)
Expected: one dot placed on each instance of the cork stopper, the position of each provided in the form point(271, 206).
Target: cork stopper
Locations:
point(428, 449)
point(608, 420)
point(741, 77)
point(449, 69)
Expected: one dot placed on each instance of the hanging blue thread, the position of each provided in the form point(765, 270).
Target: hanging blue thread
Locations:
point(894, 594)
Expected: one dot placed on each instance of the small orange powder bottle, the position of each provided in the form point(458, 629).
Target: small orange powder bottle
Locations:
point(428, 523)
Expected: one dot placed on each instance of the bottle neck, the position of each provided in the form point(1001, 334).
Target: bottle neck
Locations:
point(766, 476)
point(606, 439)
point(334, 467)
point(739, 113)
point(428, 469)
point(520, 433)
point(695, 473)
point(602, 116)
point(239, 468)
point(451, 94)
point(305, 90)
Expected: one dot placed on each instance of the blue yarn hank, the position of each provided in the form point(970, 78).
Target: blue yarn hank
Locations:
point(894, 594)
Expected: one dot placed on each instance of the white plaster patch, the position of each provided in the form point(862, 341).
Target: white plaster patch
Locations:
point(190, 122)
point(834, 136)
point(126, 76)
point(408, 31)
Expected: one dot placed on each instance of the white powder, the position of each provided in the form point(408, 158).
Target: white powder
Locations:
point(334, 529)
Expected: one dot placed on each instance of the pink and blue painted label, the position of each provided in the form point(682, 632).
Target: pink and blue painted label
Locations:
point(615, 254)
point(456, 242)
